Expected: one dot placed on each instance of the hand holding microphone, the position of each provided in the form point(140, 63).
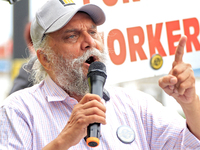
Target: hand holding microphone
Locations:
point(96, 79)
point(90, 110)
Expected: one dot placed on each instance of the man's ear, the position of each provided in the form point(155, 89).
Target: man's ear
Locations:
point(43, 60)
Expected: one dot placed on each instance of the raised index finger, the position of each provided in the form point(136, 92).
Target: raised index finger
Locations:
point(180, 49)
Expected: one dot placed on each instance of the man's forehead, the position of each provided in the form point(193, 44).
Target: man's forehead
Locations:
point(70, 28)
point(78, 23)
point(78, 27)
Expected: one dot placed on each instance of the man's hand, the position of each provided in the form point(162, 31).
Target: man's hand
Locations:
point(180, 82)
point(89, 110)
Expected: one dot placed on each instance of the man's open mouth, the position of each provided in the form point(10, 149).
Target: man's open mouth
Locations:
point(91, 59)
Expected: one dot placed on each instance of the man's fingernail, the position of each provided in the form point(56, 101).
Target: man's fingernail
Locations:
point(173, 80)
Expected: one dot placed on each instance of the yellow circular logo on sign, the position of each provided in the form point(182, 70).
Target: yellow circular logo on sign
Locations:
point(156, 61)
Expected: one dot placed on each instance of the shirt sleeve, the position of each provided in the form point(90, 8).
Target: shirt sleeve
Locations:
point(15, 132)
point(165, 128)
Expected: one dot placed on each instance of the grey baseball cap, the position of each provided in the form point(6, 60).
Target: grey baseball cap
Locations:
point(55, 14)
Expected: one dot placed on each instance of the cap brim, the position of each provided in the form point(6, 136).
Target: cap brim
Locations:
point(95, 12)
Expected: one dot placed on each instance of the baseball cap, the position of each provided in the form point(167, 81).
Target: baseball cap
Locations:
point(55, 14)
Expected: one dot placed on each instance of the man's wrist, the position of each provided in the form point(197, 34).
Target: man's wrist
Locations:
point(58, 144)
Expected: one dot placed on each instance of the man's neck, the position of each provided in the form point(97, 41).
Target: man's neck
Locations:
point(78, 98)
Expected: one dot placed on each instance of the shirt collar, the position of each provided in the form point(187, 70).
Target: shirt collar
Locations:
point(53, 91)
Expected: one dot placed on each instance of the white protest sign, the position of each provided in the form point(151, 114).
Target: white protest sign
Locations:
point(136, 29)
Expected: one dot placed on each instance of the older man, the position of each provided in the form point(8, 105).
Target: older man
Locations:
point(55, 113)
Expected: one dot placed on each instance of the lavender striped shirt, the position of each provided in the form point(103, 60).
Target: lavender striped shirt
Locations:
point(33, 117)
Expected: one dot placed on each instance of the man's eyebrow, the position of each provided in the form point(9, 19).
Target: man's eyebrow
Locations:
point(71, 30)
point(93, 26)
point(76, 30)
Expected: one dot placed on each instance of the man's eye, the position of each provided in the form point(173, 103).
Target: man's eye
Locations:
point(71, 36)
point(92, 32)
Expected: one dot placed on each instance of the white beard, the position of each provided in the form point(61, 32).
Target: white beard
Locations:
point(69, 72)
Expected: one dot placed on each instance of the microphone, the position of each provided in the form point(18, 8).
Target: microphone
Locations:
point(96, 79)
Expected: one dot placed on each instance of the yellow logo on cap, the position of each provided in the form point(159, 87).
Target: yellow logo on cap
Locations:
point(67, 2)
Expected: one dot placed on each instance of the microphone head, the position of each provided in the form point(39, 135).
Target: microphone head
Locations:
point(97, 68)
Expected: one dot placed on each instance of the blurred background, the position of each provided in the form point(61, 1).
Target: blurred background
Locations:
point(124, 16)
point(13, 47)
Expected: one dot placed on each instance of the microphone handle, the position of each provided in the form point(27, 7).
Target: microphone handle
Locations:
point(93, 135)
point(96, 84)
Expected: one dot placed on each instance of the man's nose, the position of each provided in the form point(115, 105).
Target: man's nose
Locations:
point(88, 42)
